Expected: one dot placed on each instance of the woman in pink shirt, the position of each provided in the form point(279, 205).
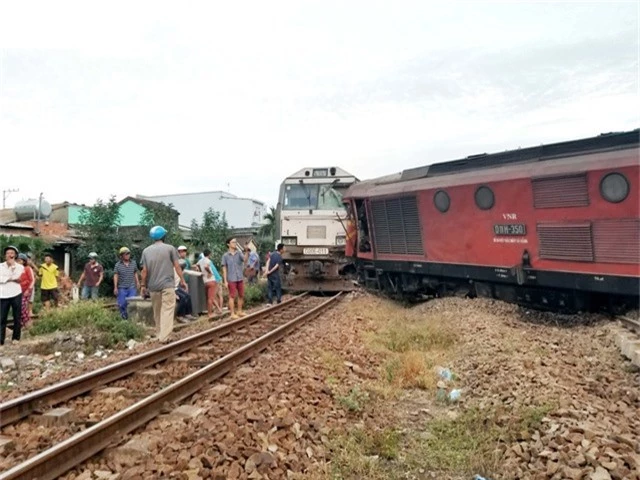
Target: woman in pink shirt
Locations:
point(27, 282)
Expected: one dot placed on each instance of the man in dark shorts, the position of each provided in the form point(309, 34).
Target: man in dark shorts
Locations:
point(233, 263)
point(273, 272)
point(49, 285)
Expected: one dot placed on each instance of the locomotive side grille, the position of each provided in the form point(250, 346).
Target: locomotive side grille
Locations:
point(617, 240)
point(317, 231)
point(381, 226)
point(397, 226)
point(412, 230)
point(561, 191)
point(561, 241)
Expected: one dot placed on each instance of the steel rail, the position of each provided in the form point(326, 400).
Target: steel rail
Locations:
point(15, 409)
point(62, 457)
point(630, 323)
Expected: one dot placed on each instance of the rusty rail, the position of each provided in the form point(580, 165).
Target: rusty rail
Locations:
point(630, 323)
point(62, 457)
point(15, 409)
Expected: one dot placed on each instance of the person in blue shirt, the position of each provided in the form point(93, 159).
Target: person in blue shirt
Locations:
point(254, 265)
point(273, 271)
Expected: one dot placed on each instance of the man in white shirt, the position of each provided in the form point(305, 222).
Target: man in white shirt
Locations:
point(10, 292)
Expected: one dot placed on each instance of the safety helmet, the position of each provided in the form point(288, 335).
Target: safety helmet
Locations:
point(157, 233)
point(22, 256)
point(11, 247)
point(124, 250)
point(93, 255)
point(182, 247)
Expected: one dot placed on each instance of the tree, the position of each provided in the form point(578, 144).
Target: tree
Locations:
point(161, 214)
point(35, 246)
point(212, 233)
point(99, 228)
point(266, 234)
point(268, 229)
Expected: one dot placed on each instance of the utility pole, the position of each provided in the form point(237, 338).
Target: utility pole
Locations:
point(6, 193)
point(37, 232)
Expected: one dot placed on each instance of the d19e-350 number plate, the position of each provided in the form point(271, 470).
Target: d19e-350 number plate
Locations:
point(315, 251)
point(510, 229)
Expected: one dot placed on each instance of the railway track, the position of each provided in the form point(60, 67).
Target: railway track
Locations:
point(186, 366)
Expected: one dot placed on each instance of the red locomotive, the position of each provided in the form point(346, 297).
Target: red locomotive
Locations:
point(555, 226)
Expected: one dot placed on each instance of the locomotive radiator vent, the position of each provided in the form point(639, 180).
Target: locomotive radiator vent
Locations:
point(565, 241)
point(617, 240)
point(560, 191)
point(396, 226)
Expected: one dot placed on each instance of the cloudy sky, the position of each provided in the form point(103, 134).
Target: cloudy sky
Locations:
point(149, 97)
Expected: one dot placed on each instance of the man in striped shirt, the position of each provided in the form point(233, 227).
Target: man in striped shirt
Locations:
point(126, 280)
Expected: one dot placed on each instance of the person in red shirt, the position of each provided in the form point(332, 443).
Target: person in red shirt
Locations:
point(27, 283)
point(92, 275)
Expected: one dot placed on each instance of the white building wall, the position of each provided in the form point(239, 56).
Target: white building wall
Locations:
point(240, 212)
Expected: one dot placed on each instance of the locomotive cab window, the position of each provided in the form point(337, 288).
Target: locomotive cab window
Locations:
point(614, 187)
point(442, 201)
point(313, 196)
point(330, 197)
point(300, 197)
point(484, 198)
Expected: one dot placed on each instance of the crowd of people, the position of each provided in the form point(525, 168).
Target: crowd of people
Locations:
point(161, 276)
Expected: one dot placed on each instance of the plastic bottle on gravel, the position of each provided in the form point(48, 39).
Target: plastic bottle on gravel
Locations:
point(445, 373)
point(454, 395)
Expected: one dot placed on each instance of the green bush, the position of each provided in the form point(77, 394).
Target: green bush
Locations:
point(255, 293)
point(90, 316)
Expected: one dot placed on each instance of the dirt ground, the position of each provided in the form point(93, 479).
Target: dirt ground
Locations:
point(370, 391)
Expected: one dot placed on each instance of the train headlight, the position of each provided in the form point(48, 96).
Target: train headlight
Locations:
point(341, 240)
point(289, 240)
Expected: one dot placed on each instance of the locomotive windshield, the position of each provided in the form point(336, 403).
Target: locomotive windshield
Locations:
point(306, 196)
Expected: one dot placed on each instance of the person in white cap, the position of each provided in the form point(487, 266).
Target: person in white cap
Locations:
point(92, 275)
point(184, 260)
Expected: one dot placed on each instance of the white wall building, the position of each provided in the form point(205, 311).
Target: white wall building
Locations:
point(240, 212)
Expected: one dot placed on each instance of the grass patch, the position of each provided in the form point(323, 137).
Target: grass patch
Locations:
point(459, 445)
point(468, 444)
point(421, 335)
point(412, 342)
point(411, 369)
point(364, 453)
point(90, 316)
point(330, 360)
point(355, 400)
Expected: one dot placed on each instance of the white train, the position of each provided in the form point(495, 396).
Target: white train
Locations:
point(311, 222)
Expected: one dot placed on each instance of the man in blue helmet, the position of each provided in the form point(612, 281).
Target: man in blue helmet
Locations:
point(159, 267)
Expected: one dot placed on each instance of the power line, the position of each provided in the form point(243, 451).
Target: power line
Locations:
point(6, 193)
